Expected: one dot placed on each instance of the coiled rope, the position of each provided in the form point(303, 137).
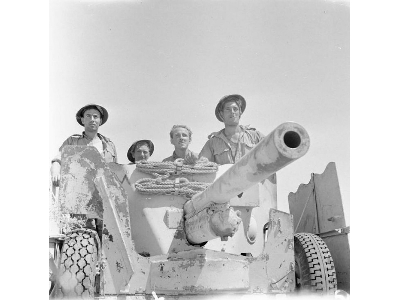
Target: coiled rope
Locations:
point(161, 185)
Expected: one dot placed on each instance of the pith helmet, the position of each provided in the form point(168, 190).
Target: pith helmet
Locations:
point(237, 98)
point(132, 148)
point(101, 109)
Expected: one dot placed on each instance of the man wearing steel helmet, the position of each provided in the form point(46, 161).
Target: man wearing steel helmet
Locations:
point(230, 144)
point(140, 150)
point(91, 117)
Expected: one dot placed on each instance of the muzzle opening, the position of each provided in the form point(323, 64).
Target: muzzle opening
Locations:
point(292, 139)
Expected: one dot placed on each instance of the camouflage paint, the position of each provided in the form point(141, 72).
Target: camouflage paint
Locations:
point(288, 142)
point(178, 273)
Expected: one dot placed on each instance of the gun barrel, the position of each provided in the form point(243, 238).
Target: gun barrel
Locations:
point(288, 142)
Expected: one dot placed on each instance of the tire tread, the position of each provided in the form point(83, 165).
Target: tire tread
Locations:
point(78, 261)
point(315, 263)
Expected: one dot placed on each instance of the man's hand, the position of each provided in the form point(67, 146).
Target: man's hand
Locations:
point(191, 158)
point(55, 173)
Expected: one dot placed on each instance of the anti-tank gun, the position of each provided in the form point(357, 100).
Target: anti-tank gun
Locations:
point(282, 146)
point(229, 238)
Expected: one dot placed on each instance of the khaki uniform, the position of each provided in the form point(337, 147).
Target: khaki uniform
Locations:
point(173, 157)
point(109, 152)
point(222, 151)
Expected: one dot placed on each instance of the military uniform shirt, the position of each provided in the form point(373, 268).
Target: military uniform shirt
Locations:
point(173, 157)
point(223, 151)
point(109, 152)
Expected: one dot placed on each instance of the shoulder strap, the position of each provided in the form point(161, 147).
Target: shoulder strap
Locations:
point(247, 127)
point(211, 135)
point(214, 134)
point(103, 137)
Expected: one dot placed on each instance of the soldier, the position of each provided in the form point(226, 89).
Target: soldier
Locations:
point(91, 117)
point(228, 145)
point(181, 137)
point(140, 150)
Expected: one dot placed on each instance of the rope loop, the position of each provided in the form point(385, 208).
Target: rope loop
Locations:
point(161, 171)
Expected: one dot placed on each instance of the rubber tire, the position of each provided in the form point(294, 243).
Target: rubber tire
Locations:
point(315, 270)
point(77, 268)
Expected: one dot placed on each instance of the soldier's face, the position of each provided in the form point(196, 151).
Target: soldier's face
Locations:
point(180, 138)
point(142, 153)
point(91, 119)
point(231, 113)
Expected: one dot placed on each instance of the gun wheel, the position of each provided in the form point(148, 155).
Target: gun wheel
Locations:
point(314, 271)
point(77, 270)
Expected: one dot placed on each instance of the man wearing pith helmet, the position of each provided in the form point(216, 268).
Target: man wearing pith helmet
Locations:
point(91, 117)
point(231, 143)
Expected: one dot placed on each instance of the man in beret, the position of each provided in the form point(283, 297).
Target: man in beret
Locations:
point(140, 150)
point(231, 143)
point(181, 137)
point(91, 117)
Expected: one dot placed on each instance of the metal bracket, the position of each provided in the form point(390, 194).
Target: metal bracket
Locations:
point(334, 232)
point(178, 166)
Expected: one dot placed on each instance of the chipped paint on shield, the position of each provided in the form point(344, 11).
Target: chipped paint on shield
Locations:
point(200, 274)
point(280, 249)
point(78, 194)
point(183, 269)
point(117, 243)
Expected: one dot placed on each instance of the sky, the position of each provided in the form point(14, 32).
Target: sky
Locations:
point(153, 64)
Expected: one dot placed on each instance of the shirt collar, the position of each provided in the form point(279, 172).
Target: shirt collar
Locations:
point(84, 135)
point(220, 134)
point(175, 156)
point(101, 137)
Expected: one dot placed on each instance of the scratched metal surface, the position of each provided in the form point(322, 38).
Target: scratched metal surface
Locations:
point(200, 274)
point(78, 194)
point(88, 186)
point(116, 241)
point(175, 273)
point(279, 251)
point(149, 215)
